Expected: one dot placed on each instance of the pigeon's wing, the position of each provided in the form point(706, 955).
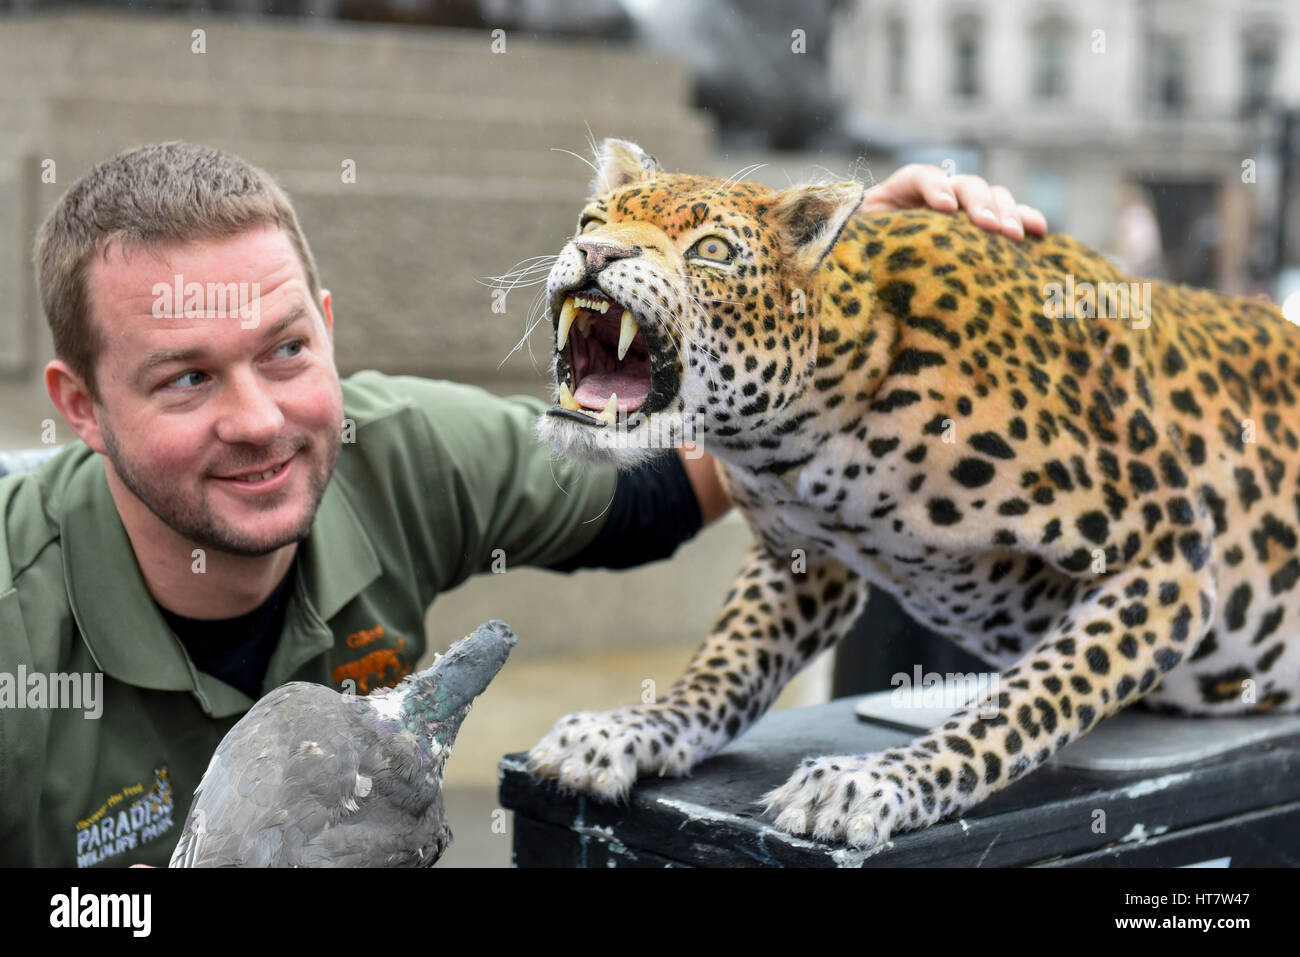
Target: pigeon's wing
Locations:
point(282, 774)
point(400, 820)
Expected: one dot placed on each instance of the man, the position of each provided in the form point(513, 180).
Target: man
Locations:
point(235, 517)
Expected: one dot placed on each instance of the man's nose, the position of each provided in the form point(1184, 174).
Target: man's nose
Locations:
point(600, 255)
point(252, 416)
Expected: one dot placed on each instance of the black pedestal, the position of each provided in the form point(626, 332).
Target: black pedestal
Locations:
point(1240, 808)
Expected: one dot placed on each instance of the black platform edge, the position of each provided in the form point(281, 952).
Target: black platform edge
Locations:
point(657, 821)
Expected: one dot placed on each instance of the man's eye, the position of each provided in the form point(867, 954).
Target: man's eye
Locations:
point(714, 249)
point(588, 223)
point(184, 375)
point(294, 342)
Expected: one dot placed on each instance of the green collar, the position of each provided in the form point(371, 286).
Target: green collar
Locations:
point(130, 640)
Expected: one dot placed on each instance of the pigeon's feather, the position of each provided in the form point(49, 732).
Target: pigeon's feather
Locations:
point(309, 777)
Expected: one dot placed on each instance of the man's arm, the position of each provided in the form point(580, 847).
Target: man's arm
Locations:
point(655, 508)
point(702, 470)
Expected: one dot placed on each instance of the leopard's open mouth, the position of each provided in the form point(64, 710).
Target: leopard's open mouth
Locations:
point(607, 365)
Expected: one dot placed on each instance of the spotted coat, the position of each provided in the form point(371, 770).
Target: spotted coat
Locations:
point(1100, 502)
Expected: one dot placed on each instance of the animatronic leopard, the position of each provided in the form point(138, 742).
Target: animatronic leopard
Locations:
point(1105, 509)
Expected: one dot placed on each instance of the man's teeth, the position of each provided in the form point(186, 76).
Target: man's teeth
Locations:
point(626, 333)
point(260, 476)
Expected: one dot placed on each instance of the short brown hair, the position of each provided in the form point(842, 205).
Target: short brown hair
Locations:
point(148, 196)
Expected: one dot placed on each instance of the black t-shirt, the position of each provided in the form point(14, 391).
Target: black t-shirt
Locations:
point(236, 650)
point(653, 511)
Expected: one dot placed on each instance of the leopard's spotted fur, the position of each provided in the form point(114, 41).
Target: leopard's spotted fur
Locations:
point(1104, 508)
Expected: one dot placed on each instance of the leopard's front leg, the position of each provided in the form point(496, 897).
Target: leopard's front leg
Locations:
point(1105, 652)
point(773, 622)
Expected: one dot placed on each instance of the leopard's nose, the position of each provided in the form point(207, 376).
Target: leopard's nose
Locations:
point(600, 255)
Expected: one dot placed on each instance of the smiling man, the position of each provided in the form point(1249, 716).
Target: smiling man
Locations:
point(234, 516)
point(234, 461)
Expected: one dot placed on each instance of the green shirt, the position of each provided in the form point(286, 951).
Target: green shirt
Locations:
point(432, 478)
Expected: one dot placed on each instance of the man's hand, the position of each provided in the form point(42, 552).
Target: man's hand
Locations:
point(990, 207)
point(702, 470)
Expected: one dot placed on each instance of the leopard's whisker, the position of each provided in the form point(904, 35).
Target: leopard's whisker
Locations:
point(682, 334)
point(735, 178)
point(530, 262)
point(526, 272)
point(556, 149)
point(685, 335)
point(539, 269)
point(516, 283)
point(538, 308)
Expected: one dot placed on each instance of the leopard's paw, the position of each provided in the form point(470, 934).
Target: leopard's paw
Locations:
point(601, 753)
point(843, 799)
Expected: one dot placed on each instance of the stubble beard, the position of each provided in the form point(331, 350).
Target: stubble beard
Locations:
point(198, 522)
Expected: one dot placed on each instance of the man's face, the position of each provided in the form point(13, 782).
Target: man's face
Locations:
point(189, 401)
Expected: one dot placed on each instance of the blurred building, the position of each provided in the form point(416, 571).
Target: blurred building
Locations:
point(420, 163)
point(400, 135)
point(1089, 107)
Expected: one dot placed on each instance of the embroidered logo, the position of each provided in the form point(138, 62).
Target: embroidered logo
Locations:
point(378, 668)
point(365, 636)
point(128, 818)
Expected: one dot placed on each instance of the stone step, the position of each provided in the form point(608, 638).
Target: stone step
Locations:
point(441, 123)
point(344, 57)
point(409, 271)
point(460, 172)
point(409, 259)
point(606, 104)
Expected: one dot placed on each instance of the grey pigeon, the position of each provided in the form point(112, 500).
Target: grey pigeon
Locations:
point(313, 778)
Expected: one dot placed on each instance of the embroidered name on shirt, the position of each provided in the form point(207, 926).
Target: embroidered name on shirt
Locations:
point(118, 826)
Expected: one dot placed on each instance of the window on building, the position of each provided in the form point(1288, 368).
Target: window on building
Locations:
point(896, 40)
point(1260, 67)
point(965, 58)
point(1049, 60)
point(1169, 87)
point(1047, 190)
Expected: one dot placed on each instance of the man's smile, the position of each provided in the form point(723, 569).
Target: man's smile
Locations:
point(263, 479)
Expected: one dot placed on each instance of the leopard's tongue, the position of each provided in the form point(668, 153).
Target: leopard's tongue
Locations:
point(631, 383)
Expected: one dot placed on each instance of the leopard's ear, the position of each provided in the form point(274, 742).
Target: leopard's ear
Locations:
point(618, 163)
point(810, 218)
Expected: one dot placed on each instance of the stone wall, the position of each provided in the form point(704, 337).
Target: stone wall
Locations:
point(454, 147)
point(456, 180)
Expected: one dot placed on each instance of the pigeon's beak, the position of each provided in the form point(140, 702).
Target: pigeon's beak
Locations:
point(461, 675)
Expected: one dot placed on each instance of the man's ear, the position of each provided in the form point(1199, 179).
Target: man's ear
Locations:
point(619, 163)
point(810, 218)
point(74, 403)
point(327, 311)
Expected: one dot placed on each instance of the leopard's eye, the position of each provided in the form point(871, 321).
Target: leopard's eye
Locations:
point(588, 222)
point(713, 249)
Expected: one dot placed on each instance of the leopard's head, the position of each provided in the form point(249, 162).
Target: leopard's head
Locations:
point(684, 308)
